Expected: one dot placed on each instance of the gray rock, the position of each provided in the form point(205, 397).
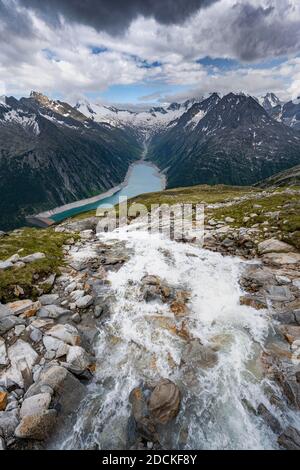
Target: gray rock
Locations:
point(164, 402)
point(52, 311)
point(3, 353)
point(7, 323)
point(33, 257)
point(279, 294)
point(84, 302)
point(68, 391)
point(272, 245)
point(39, 426)
point(9, 420)
point(35, 335)
point(66, 333)
point(76, 318)
point(49, 299)
point(78, 357)
point(55, 347)
point(14, 258)
point(35, 405)
point(2, 442)
point(269, 418)
point(290, 439)
point(5, 311)
point(4, 265)
point(98, 311)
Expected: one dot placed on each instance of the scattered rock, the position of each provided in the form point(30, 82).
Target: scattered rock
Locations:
point(279, 294)
point(49, 299)
point(22, 359)
point(78, 358)
point(254, 302)
point(3, 353)
point(55, 347)
point(9, 420)
point(4, 265)
point(52, 311)
point(26, 307)
point(164, 402)
point(280, 259)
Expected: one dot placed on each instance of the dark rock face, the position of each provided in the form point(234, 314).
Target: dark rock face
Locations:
point(51, 154)
point(234, 141)
point(164, 402)
point(290, 439)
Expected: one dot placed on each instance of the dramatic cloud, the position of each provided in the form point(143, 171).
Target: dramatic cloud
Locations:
point(80, 47)
point(115, 16)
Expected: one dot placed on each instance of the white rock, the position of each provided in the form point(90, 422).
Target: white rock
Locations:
point(246, 219)
point(77, 294)
point(296, 283)
point(66, 333)
point(71, 287)
point(229, 220)
point(272, 245)
point(283, 280)
point(32, 258)
point(78, 357)
point(4, 265)
point(22, 358)
point(55, 346)
point(3, 353)
point(35, 334)
point(35, 405)
point(84, 302)
point(14, 258)
point(19, 329)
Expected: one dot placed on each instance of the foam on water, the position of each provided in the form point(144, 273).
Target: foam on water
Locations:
point(137, 344)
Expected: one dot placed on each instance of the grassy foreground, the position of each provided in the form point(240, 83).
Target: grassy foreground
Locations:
point(25, 242)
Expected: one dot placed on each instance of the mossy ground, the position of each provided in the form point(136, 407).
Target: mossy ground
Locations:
point(25, 242)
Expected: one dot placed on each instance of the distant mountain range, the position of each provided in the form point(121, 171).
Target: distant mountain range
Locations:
point(52, 153)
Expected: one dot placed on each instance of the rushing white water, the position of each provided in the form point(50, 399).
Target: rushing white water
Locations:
point(138, 344)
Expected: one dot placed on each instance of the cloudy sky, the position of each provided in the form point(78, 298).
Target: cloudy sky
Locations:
point(146, 51)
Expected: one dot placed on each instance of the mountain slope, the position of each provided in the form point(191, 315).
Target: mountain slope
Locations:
point(51, 154)
point(288, 177)
point(235, 141)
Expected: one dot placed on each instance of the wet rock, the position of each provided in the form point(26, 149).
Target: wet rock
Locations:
point(151, 280)
point(35, 405)
point(84, 302)
point(141, 424)
point(290, 439)
point(258, 303)
point(179, 308)
point(197, 355)
point(3, 400)
point(9, 420)
point(164, 402)
point(98, 311)
point(273, 245)
point(68, 391)
point(39, 426)
point(66, 333)
point(2, 444)
point(269, 418)
point(153, 289)
point(291, 333)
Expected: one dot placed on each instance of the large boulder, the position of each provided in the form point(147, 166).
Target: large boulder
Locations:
point(35, 404)
point(38, 426)
point(22, 359)
point(164, 402)
point(279, 259)
point(67, 390)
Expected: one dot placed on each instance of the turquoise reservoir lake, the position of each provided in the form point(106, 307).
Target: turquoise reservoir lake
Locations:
point(142, 178)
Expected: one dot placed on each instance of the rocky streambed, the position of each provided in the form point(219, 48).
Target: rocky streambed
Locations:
point(147, 343)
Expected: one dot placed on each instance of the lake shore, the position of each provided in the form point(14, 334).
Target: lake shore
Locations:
point(45, 219)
